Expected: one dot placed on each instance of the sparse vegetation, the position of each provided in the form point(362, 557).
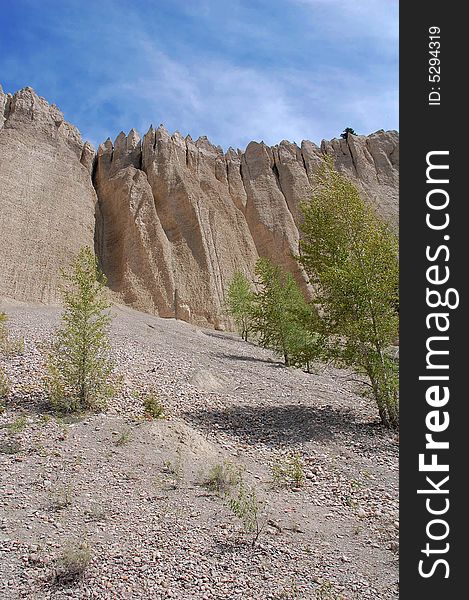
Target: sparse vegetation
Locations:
point(290, 592)
point(96, 513)
point(175, 469)
point(222, 477)
point(45, 419)
point(124, 438)
point(64, 428)
point(10, 446)
point(328, 591)
point(288, 470)
point(4, 384)
point(61, 497)
point(18, 425)
point(72, 563)
point(114, 483)
point(152, 406)
point(79, 366)
point(9, 346)
point(351, 498)
point(247, 507)
point(132, 475)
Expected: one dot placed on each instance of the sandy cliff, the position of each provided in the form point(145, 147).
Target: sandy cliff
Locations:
point(47, 200)
point(171, 218)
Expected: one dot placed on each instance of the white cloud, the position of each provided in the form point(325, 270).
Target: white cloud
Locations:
point(228, 103)
point(233, 105)
point(127, 77)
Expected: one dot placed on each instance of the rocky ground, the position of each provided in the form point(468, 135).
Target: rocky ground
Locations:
point(126, 495)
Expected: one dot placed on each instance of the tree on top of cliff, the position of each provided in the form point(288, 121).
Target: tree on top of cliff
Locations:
point(344, 135)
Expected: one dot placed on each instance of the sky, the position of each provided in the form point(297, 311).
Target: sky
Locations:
point(234, 71)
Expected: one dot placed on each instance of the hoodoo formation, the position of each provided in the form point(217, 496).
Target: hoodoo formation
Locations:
point(171, 219)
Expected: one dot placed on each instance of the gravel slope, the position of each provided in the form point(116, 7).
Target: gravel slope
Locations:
point(153, 530)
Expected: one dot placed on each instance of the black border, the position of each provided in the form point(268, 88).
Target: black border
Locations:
point(424, 128)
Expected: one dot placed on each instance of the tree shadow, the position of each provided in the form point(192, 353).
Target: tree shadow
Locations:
point(231, 337)
point(239, 357)
point(277, 426)
point(34, 403)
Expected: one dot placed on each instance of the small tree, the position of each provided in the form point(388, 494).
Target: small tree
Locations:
point(280, 312)
point(247, 507)
point(239, 303)
point(79, 366)
point(348, 130)
point(352, 258)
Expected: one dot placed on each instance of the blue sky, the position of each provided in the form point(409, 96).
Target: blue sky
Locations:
point(234, 71)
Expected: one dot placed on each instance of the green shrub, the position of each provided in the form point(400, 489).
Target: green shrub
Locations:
point(124, 438)
point(175, 469)
point(4, 384)
point(18, 425)
point(152, 406)
point(9, 346)
point(327, 591)
point(62, 497)
point(288, 471)
point(72, 563)
point(247, 507)
point(222, 477)
point(10, 446)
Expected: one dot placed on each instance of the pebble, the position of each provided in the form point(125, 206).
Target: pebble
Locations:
point(149, 547)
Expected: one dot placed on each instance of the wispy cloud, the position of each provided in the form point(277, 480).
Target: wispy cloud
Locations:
point(262, 72)
point(376, 19)
point(230, 104)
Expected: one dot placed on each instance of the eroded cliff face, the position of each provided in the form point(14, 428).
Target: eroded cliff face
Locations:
point(47, 200)
point(179, 217)
point(175, 218)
